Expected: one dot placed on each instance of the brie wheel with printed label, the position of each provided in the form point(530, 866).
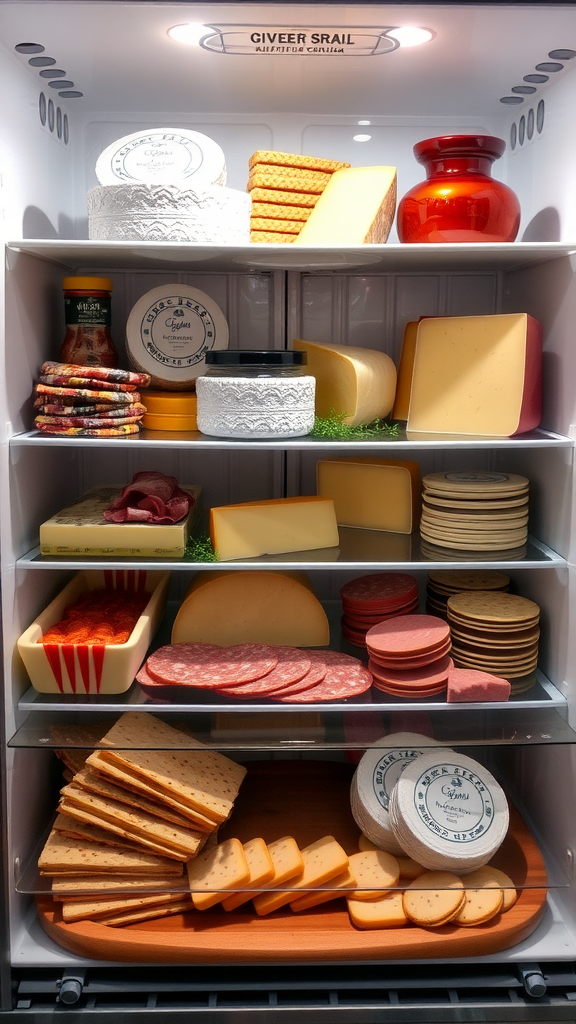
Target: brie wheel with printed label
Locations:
point(163, 156)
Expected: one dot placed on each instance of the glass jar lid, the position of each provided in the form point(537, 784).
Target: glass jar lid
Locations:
point(253, 357)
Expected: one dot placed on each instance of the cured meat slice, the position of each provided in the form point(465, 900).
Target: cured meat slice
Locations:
point(423, 677)
point(151, 497)
point(68, 392)
point(82, 382)
point(418, 661)
point(103, 410)
point(345, 677)
point(186, 665)
point(384, 590)
point(315, 674)
point(122, 431)
point(97, 373)
point(87, 421)
point(292, 666)
point(408, 634)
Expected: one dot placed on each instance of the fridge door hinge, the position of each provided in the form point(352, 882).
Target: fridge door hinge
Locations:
point(70, 987)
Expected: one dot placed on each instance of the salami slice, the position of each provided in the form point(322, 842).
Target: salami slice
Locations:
point(292, 666)
point(185, 665)
point(418, 661)
point(87, 421)
point(97, 373)
point(345, 677)
point(68, 392)
point(82, 382)
point(104, 411)
point(385, 590)
point(315, 674)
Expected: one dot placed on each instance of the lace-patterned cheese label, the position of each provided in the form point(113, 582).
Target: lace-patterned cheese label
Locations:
point(453, 803)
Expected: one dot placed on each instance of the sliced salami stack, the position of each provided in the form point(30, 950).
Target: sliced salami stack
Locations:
point(409, 655)
point(252, 672)
point(88, 401)
point(371, 599)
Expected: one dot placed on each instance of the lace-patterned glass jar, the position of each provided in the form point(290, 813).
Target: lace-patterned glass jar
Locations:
point(251, 394)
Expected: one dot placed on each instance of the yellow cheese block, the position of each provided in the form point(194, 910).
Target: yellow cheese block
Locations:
point(405, 368)
point(358, 383)
point(323, 860)
point(384, 913)
point(261, 871)
point(357, 206)
point(221, 867)
point(372, 494)
point(251, 607)
point(330, 890)
point(476, 375)
point(272, 527)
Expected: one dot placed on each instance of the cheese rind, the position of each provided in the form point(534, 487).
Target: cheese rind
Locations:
point(272, 527)
point(251, 607)
point(477, 375)
point(372, 494)
point(356, 383)
point(357, 206)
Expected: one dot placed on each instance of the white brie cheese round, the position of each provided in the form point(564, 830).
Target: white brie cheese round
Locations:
point(163, 156)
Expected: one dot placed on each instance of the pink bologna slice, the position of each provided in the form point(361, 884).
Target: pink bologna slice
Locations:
point(429, 675)
point(185, 665)
point(408, 635)
point(382, 591)
point(366, 621)
point(418, 661)
point(345, 677)
point(292, 666)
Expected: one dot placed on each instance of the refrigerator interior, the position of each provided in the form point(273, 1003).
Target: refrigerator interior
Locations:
point(132, 76)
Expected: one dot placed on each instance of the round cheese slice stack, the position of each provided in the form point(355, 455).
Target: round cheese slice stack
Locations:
point(448, 812)
point(375, 778)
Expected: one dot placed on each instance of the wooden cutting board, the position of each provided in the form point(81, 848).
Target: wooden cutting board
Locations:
point(306, 799)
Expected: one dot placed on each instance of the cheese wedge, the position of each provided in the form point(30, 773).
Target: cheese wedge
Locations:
point(323, 860)
point(357, 383)
point(477, 375)
point(405, 368)
point(372, 494)
point(261, 871)
point(272, 527)
point(251, 607)
point(356, 206)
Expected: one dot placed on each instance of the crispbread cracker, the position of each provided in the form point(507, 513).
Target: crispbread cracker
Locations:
point(223, 867)
point(280, 211)
point(311, 163)
point(73, 759)
point(92, 833)
point(307, 200)
point(81, 910)
point(481, 900)
point(95, 783)
point(509, 892)
point(61, 854)
point(489, 606)
point(133, 783)
point(433, 898)
point(79, 888)
point(289, 227)
point(119, 830)
point(201, 779)
point(289, 179)
point(147, 913)
point(139, 823)
point(273, 237)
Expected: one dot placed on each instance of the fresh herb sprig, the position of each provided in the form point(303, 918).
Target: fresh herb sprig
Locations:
point(199, 549)
point(333, 428)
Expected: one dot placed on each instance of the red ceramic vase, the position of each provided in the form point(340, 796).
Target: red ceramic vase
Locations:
point(459, 201)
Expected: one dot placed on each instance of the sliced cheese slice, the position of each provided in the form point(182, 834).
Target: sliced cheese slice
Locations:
point(357, 383)
point(477, 375)
point(261, 871)
point(273, 527)
point(251, 607)
point(222, 867)
point(372, 494)
point(356, 206)
point(323, 860)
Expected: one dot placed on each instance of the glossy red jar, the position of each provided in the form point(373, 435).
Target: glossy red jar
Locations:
point(459, 201)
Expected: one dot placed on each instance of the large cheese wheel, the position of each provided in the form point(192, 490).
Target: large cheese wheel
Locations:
point(358, 383)
point(251, 607)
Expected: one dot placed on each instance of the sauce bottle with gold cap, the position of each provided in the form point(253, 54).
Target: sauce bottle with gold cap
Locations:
point(88, 341)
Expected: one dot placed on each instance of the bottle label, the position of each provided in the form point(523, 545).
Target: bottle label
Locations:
point(87, 310)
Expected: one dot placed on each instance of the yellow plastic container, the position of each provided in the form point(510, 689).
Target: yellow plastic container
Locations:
point(169, 410)
point(81, 663)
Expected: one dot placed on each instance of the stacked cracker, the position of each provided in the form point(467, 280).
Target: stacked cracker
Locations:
point(285, 188)
point(88, 401)
point(132, 815)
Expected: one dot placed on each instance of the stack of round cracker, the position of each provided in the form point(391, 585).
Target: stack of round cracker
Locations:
point(442, 583)
point(409, 655)
point(497, 633)
point(477, 511)
point(448, 812)
point(373, 781)
point(368, 600)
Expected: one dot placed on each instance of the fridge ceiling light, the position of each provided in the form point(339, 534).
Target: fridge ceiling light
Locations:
point(364, 122)
point(411, 35)
point(361, 138)
point(191, 33)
